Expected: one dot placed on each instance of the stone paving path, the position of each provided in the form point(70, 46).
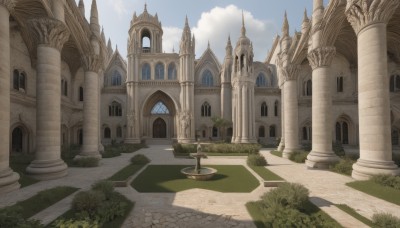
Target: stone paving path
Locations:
point(204, 208)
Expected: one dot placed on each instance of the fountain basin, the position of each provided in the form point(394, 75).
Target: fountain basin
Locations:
point(203, 174)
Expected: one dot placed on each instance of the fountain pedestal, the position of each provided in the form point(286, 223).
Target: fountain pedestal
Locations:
point(197, 172)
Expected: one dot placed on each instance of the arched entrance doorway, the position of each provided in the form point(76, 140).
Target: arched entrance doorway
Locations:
point(159, 129)
point(17, 140)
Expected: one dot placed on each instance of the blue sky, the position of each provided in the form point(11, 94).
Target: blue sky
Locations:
point(210, 20)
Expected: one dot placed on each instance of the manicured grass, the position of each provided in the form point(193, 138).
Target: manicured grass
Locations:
point(227, 154)
point(18, 163)
point(354, 213)
point(126, 172)
point(276, 153)
point(168, 178)
point(255, 212)
point(43, 200)
point(383, 192)
point(265, 173)
point(313, 210)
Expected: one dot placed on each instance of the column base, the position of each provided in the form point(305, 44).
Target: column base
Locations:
point(93, 154)
point(281, 147)
point(318, 160)
point(132, 141)
point(288, 151)
point(8, 181)
point(364, 169)
point(47, 169)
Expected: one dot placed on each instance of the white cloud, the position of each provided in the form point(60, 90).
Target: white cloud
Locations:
point(171, 38)
point(218, 23)
point(118, 6)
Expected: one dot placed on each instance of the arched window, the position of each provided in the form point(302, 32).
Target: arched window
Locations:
point(307, 88)
point(261, 132)
point(159, 71)
point(119, 132)
point(207, 79)
point(146, 41)
point(264, 109)
point(107, 133)
point(146, 72)
point(272, 131)
point(342, 132)
point(306, 130)
point(261, 80)
point(214, 132)
point(206, 109)
point(116, 79)
point(276, 108)
point(64, 87)
point(171, 71)
point(339, 84)
point(115, 109)
point(80, 93)
point(19, 79)
point(159, 109)
point(395, 137)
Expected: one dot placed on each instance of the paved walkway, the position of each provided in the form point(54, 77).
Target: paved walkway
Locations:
point(204, 208)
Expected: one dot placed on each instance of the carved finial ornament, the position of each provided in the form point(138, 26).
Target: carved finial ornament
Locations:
point(49, 31)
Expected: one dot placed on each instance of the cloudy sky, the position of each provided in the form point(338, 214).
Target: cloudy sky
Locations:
point(210, 20)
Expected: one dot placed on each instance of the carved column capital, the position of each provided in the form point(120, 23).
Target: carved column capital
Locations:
point(361, 13)
point(92, 62)
point(9, 4)
point(321, 57)
point(49, 31)
point(290, 72)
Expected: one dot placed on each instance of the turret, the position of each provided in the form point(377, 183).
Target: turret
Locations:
point(305, 23)
point(103, 37)
point(82, 8)
point(187, 41)
point(109, 47)
point(94, 19)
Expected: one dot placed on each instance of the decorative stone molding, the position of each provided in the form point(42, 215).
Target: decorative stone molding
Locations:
point(290, 72)
point(361, 13)
point(49, 31)
point(321, 57)
point(9, 4)
point(92, 63)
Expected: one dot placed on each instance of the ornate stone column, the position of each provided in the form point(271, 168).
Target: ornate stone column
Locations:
point(90, 148)
point(321, 155)
point(49, 35)
point(369, 19)
point(8, 179)
point(291, 114)
point(281, 145)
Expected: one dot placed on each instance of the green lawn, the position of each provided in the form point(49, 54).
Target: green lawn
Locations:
point(227, 154)
point(168, 178)
point(255, 212)
point(354, 213)
point(265, 173)
point(126, 172)
point(276, 153)
point(383, 192)
point(43, 200)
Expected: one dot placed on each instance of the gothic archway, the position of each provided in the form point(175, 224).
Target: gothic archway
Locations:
point(19, 139)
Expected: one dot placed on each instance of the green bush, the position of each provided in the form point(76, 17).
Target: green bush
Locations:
point(140, 159)
point(256, 160)
point(12, 217)
point(110, 153)
point(396, 159)
point(289, 195)
point(104, 186)
point(385, 220)
point(88, 201)
point(231, 148)
point(73, 223)
point(184, 148)
point(344, 166)
point(86, 162)
point(387, 180)
point(278, 216)
point(338, 149)
point(299, 156)
point(111, 209)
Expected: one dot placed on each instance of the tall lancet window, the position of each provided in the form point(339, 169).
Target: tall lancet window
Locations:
point(159, 71)
point(146, 72)
point(207, 79)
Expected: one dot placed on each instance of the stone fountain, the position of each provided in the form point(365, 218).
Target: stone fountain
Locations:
point(198, 172)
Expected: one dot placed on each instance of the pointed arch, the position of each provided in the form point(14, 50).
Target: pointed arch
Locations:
point(207, 78)
point(206, 109)
point(264, 109)
point(159, 71)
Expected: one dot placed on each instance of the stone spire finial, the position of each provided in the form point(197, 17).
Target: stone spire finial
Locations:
point(305, 17)
point(285, 26)
point(186, 21)
point(103, 37)
point(94, 19)
point(208, 44)
point(305, 23)
point(228, 47)
point(243, 26)
point(145, 7)
point(109, 47)
point(82, 7)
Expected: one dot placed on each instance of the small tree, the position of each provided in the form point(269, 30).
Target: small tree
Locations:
point(221, 124)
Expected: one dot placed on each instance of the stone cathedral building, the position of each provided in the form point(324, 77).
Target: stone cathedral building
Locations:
point(62, 83)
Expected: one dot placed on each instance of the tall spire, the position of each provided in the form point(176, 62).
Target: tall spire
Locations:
point(243, 26)
point(305, 23)
point(186, 21)
point(94, 19)
point(82, 7)
point(228, 48)
point(103, 37)
point(109, 47)
point(145, 7)
point(285, 26)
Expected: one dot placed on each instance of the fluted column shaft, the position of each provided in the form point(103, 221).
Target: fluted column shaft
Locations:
point(50, 35)
point(281, 145)
point(322, 154)
point(373, 93)
point(8, 179)
point(291, 117)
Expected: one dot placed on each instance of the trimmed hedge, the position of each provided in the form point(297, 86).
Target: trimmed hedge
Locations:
point(385, 220)
point(344, 166)
point(256, 160)
point(140, 159)
point(85, 162)
point(299, 156)
point(387, 180)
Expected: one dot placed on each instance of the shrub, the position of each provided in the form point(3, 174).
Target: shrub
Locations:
point(290, 195)
point(110, 153)
point(88, 201)
point(111, 209)
point(278, 216)
point(86, 222)
point(12, 217)
point(385, 220)
point(338, 149)
point(344, 166)
point(86, 162)
point(299, 156)
point(140, 159)
point(387, 180)
point(231, 148)
point(256, 160)
point(104, 186)
point(184, 148)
